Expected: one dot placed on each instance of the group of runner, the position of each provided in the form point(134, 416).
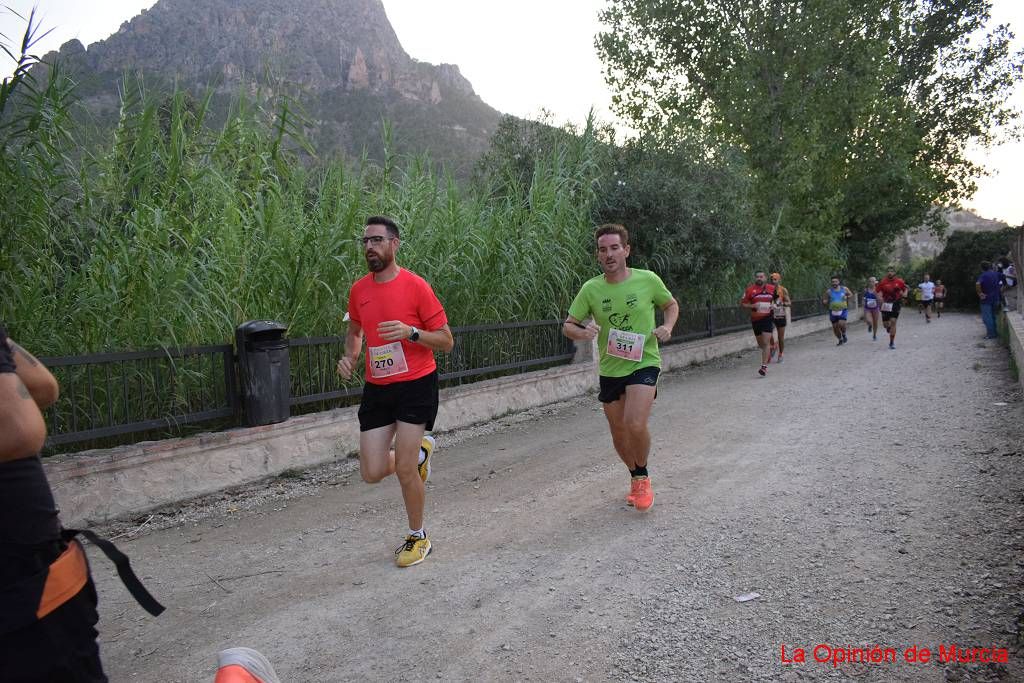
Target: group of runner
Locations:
point(395, 314)
point(885, 299)
point(930, 297)
point(769, 303)
point(403, 324)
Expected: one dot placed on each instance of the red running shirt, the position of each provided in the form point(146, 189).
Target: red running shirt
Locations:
point(409, 299)
point(890, 289)
point(763, 296)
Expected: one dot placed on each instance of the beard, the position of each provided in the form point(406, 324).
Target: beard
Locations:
point(378, 263)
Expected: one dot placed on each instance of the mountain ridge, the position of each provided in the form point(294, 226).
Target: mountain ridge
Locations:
point(343, 56)
point(923, 244)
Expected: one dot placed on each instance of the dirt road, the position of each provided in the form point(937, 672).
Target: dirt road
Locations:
point(871, 497)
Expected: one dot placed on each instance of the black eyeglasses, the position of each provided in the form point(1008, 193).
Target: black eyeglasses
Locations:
point(375, 240)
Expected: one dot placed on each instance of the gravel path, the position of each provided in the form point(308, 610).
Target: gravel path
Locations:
point(868, 496)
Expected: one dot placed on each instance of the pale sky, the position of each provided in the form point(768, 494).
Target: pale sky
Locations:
point(522, 57)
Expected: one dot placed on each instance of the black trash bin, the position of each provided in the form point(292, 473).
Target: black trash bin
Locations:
point(265, 371)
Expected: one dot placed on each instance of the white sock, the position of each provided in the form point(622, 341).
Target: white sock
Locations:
point(423, 456)
point(419, 533)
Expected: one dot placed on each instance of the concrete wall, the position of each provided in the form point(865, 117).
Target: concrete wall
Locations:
point(100, 485)
point(1015, 323)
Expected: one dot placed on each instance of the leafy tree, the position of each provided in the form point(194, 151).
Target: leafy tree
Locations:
point(518, 145)
point(959, 264)
point(687, 208)
point(686, 215)
point(854, 118)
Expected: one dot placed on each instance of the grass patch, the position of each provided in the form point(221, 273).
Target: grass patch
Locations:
point(1003, 329)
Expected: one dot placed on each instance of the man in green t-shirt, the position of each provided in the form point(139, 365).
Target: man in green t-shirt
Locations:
point(621, 304)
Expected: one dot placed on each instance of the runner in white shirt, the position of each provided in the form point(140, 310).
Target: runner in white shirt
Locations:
point(927, 289)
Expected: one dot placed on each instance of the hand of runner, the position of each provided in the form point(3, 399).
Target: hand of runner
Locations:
point(662, 333)
point(393, 330)
point(591, 330)
point(345, 367)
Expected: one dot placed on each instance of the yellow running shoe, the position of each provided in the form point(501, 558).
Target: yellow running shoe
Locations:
point(413, 551)
point(427, 444)
point(645, 494)
point(634, 489)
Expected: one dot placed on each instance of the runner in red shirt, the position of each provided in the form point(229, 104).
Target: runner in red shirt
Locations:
point(891, 290)
point(404, 323)
point(940, 298)
point(759, 298)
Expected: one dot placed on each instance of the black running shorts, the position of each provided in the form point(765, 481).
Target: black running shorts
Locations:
point(414, 402)
point(614, 387)
point(893, 314)
point(779, 322)
point(762, 325)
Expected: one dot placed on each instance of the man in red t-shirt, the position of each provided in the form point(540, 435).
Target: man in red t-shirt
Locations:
point(759, 298)
point(404, 323)
point(891, 290)
point(940, 298)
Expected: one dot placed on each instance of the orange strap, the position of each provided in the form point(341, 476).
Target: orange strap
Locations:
point(68, 574)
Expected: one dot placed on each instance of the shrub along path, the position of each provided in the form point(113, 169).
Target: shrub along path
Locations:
point(869, 496)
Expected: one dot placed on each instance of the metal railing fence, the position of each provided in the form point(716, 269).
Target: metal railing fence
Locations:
point(110, 394)
point(480, 350)
point(159, 393)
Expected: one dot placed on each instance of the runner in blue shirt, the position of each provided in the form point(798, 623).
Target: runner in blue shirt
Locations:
point(871, 308)
point(837, 298)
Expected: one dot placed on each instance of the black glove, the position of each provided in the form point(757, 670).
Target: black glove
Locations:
point(6, 355)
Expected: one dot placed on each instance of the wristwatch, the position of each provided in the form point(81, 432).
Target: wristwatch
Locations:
point(414, 335)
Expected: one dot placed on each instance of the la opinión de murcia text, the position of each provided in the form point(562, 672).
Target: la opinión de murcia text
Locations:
point(840, 655)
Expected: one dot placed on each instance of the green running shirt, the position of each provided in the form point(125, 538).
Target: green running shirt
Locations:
point(627, 307)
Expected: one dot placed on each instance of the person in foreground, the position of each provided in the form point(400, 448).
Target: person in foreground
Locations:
point(47, 598)
point(42, 638)
point(244, 665)
point(621, 304)
point(403, 323)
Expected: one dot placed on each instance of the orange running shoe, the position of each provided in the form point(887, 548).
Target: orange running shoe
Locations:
point(645, 494)
point(244, 665)
point(634, 489)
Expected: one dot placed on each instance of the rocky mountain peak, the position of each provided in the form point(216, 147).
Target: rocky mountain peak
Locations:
point(316, 43)
point(343, 54)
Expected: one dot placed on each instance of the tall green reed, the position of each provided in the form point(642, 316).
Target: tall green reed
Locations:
point(174, 232)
